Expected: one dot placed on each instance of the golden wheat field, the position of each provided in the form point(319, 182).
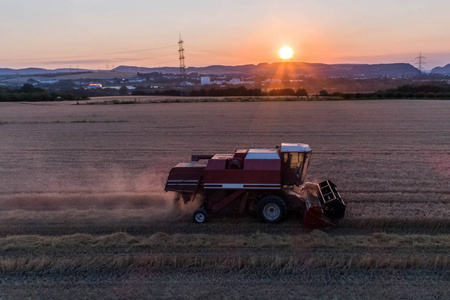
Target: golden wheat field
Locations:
point(83, 213)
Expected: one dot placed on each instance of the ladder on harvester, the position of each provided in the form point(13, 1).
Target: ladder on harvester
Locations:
point(328, 191)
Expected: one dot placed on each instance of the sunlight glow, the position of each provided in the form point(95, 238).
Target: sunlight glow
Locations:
point(286, 52)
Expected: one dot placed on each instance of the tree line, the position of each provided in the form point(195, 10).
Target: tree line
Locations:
point(428, 91)
point(226, 92)
point(30, 93)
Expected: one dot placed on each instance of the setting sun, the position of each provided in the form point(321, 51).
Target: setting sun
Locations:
point(286, 52)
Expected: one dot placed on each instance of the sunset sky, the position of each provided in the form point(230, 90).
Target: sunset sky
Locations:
point(106, 33)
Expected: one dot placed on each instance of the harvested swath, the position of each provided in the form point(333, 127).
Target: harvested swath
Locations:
point(68, 253)
point(396, 223)
point(257, 240)
point(270, 263)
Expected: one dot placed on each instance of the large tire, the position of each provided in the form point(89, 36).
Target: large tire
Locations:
point(272, 209)
point(200, 216)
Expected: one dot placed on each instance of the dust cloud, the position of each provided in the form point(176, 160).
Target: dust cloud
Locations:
point(115, 189)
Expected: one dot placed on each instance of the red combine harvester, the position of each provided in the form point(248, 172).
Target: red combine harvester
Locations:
point(268, 181)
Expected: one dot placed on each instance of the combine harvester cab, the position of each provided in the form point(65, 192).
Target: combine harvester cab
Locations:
point(268, 181)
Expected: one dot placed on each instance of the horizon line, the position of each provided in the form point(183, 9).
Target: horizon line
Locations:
point(214, 65)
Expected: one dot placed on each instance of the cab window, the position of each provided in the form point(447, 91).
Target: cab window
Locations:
point(296, 160)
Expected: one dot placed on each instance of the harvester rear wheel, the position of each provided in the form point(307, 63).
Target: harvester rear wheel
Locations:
point(272, 209)
point(200, 216)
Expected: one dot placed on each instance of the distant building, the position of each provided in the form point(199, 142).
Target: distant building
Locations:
point(236, 81)
point(117, 87)
point(136, 80)
point(48, 81)
point(272, 80)
point(204, 80)
point(95, 86)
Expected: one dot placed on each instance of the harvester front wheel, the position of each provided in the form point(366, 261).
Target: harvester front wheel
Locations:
point(200, 216)
point(272, 209)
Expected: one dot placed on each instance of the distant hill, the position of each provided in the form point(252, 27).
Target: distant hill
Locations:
point(37, 71)
point(128, 69)
point(441, 70)
point(263, 69)
point(341, 70)
point(28, 71)
point(313, 69)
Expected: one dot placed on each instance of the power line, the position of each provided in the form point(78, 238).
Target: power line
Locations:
point(91, 55)
point(214, 52)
